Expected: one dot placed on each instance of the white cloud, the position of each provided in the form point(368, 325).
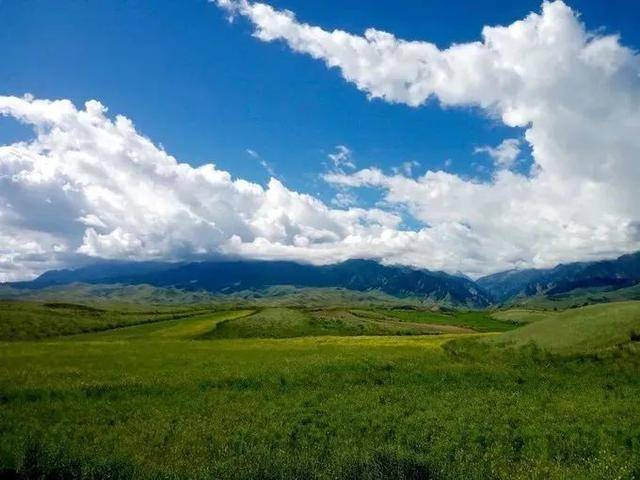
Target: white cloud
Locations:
point(505, 154)
point(575, 93)
point(263, 163)
point(342, 158)
point(91, 185)
point(406, 168)
point(344, 199)
point(87, 185)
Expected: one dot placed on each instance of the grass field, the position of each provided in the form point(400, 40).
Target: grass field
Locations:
point(28, 321)
point(288, 322)
point(520, 316)
point(171, 398)
point(579, 297)
point(580, 331)
point(475, 320)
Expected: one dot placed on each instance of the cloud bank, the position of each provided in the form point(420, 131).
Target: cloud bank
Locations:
point(91, 185)
point(575, 93)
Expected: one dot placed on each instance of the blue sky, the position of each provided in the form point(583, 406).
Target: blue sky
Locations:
point(208, 91)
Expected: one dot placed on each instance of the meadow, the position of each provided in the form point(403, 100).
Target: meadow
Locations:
point(215, 392)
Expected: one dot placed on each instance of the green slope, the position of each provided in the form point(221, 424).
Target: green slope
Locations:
point(480, 321)
point(180, 329)
point(287, 323)
point(579, 297)
point(149, 402)
point(33, 320)
point(520, 316)
point(581, 330)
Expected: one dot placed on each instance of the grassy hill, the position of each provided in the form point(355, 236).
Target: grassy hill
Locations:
point(287, 322)
point(579, 297)
point(187, 328)
point(520, 316)
point(280, 295)
point(581, 330)
point(480, 321)
point(108, 295)
point(21, 320)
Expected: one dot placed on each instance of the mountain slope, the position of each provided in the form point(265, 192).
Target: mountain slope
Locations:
point(233, 276)
point(615, 274)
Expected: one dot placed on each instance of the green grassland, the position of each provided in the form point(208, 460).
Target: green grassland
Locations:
point(520, 316)
point(288, 322)
point(195, 326)
point(273, 296)
point(475, 320)
point(580, 331)
point(127, 393)
point(578, 298)
point(21, 320)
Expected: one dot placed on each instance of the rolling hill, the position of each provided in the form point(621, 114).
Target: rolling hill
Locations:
point(585, 330)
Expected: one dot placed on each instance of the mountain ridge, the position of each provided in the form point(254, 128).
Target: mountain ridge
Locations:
point(231, 276)
point(236, 275)
point(613, 274)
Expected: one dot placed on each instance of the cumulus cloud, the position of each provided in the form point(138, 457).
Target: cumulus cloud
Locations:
point(505, 154)
point(576, 95)
point(91, 186)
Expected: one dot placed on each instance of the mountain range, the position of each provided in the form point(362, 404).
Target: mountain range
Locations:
point(235, 276)
point(603, 275)
point(227, 277)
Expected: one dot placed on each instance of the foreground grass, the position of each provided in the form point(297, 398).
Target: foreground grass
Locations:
point(328, 407)
point(173, 399)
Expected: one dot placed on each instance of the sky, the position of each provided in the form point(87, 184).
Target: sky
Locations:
point(460, 136)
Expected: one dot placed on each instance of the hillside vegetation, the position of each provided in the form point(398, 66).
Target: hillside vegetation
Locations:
point(480, 321)
point(287, 322)
point(33, 320)
point(581, 330)
point(578, 298)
